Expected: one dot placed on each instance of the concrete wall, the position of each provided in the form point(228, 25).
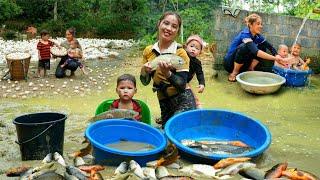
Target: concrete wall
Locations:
point(277, 29)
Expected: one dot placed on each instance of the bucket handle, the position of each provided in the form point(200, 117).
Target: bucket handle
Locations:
point(20, 143)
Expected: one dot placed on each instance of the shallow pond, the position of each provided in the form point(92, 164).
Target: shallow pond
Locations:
point(292, 114)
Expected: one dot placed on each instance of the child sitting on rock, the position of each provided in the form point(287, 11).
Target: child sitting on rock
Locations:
point(126, 89)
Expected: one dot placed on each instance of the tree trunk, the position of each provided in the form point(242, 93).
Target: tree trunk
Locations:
point(55, 12)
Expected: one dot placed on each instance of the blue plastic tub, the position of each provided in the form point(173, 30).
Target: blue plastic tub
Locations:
point(295, 78)
point(216, 124)
point(113, 130)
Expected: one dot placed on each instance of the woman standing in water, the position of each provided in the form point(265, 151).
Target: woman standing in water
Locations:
point(248, 48)
point(61, 71)
point(169, 83)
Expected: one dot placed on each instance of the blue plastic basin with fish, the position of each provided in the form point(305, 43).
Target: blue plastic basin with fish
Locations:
point(110, 131)
point(216, 125)
point(294, 78)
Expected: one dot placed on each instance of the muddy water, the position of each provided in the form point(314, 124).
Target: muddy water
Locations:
point(292, 114)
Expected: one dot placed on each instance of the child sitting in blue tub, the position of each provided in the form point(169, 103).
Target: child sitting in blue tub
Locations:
point(294, 61)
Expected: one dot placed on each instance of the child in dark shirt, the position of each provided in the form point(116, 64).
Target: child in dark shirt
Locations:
point(193, 46)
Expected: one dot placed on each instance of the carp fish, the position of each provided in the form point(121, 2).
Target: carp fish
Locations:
point(296, 174)
point(176, 61)
point(115, 113)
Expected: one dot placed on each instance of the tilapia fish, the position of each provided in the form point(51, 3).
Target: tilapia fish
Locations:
point(276, 171)
point(115, 113)
point(228, 161)
point(299, 174)
point(174, 60)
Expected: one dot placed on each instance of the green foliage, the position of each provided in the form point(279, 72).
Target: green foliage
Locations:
point(8, 9)
point(9, 35)
point(55, 28)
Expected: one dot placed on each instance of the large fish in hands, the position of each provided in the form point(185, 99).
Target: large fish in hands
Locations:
point(172, 59)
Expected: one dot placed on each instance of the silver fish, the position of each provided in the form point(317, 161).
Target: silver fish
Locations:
point(121, 176)
point(50, 176)
point(115, 113)
point(174, 60)
point(78, 161)
point(77, 173)
point(136, 169)
point(149, 173)
point(152, 163)
point(200, 170)
point(176, 178)
point(122, 168)
point(57, 157)
point(42, 167)
point(161, 172)
point(48, 158)
point(235, 168)
point(175, 165)
point(253, 173)
point(68, 176)
point(38, 174)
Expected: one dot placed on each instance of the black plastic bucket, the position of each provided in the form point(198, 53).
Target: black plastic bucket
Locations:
point(40, 134)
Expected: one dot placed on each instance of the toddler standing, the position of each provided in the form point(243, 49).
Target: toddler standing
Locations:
point(44, 55)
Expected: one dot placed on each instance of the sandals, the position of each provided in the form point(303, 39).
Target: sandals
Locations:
point(232, 77)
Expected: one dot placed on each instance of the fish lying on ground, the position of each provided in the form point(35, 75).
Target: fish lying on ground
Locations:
point(38, 174)
point(161, 172)
point(78, 161)
point(74, 171)
point(83, 152)
point(90, 168)
point(170, 156)
point(17, 171)
point(176, 165)
point(50, 176)
point(199, 170)
point(235, 168)
point(276, 171)
point(95, 175)
point(228, 161)
point(136, 169)
point(176, 178)
point(57, 157)
point(122, 168)
point(149, 173)
point(253, 173)
point(115, 113)
point(176, 61)
point(48, 158)
point(295, 174)
point(68, 176)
